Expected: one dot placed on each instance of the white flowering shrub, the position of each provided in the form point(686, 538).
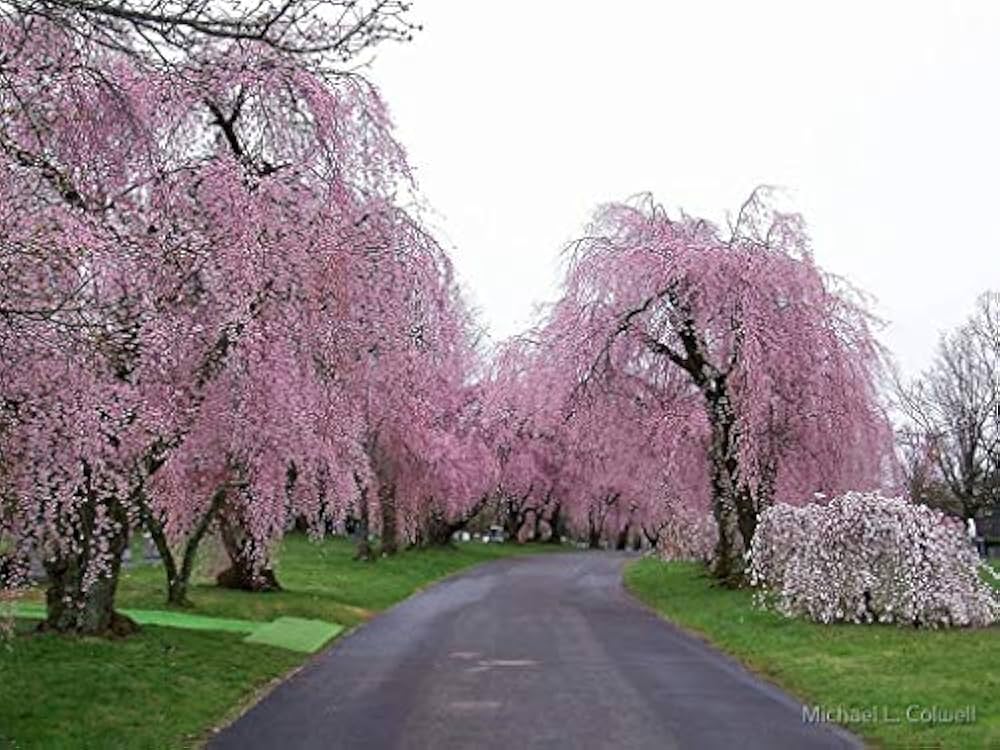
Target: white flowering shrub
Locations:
point(866, 558)
point(782, 531)
point(687, 535)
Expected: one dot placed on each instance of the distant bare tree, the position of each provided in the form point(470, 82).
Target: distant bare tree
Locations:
point(921, 474)
point(954, 412)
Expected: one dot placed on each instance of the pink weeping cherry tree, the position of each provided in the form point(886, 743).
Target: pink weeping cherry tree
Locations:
point(582, 465)
point(780, 355)
point(628, 458)
point(608, 459)
point(304, 163)
point(182, 321)
point(73, 430)
point(446, 469)
point(526, 393)
point(304, 383)
point(421, 433)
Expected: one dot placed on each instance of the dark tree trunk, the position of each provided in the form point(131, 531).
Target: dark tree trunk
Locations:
point(596, 517)
point(436, 533)
point(385, 473)
point(363, 549)
point(390, 532)
point(90, 612)
point(516, 514)
point(511, 518)
point(362, 530)
point(652, 538)
point(536, 533)
point(621, 542)
point(555, 521)
point(179, 576)
point(593, 534)
point(178, 585)
point(746, 515)
point(727, 564)
point(249, 569)
point(176, 588)
point(72, 605)
point(8, 566)
point(750, 504)
point(439, 532)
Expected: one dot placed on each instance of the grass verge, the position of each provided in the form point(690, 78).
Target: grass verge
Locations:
point(166, 687)
point(847, 666)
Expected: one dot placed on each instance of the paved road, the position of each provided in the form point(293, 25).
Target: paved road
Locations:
point(540, 652)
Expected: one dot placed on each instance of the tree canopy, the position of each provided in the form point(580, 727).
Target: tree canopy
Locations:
point(221, 311)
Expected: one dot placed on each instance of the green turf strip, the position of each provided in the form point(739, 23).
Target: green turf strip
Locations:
point(295, 634)
point(25, 610)
point(291, 633)
point(32, 611)
point(190, 622)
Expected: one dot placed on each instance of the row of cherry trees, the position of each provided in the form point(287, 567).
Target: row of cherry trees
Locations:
point(220, 313)
point(216, 315)
point(688, 378)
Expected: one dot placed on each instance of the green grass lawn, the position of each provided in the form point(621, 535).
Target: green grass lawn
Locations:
point(165, 687)
point(841, 665)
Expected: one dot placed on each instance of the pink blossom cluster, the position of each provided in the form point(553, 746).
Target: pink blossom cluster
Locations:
point(865, 558)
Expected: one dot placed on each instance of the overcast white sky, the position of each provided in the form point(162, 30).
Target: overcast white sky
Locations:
point(882, 118)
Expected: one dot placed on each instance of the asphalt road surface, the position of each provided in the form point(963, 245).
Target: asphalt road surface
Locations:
point(539, 652)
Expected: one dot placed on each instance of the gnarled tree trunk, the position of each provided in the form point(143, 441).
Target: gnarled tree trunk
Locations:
point(621, 542)
point(179, 575)
point(385, 474)
point(249, 569)
point(438, 532)
point(362, 530)
point(555, 521)
point(593, 533)
point(390, 531)
point(78, 600)
point(730, 515)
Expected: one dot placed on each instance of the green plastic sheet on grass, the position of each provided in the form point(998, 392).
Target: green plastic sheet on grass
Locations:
point(295, 634)
point(291, 633)
point(166, 619)
point(190, 622)
point(26, 610)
